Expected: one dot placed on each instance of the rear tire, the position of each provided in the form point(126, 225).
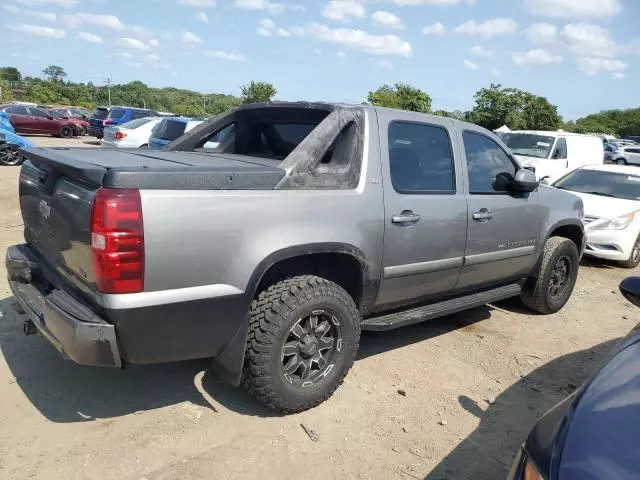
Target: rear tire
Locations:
point(10, 155)
point(621, 161)
point(634, 256)
point(294, 362)
point(550, 291)
point(66, 132)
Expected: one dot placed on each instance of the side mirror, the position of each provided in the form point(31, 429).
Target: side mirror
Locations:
point(630, 289)
point(525, 181)
point(545, 181)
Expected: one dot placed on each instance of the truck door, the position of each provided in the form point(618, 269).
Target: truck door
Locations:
point(503, 228)
point(425, 208)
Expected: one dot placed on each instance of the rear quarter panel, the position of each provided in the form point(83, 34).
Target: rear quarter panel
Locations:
point(196, 238)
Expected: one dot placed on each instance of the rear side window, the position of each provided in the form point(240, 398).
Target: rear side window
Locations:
point(485, 160)
point(275, 140)
point(18, 111)
point(100, 113)
point(117, 113)
point(420, 159)
point(139, 114)
point(169, 129)
point(36, 112)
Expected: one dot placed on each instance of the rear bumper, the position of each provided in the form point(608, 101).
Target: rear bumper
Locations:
point(70, 326)
point(95, 132)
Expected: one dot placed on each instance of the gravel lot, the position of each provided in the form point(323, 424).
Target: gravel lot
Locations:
point(474, 382)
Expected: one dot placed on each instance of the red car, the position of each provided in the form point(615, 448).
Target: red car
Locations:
point(80, 126)
point(27, 119)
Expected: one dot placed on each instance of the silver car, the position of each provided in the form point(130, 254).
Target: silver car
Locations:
point(629, 155)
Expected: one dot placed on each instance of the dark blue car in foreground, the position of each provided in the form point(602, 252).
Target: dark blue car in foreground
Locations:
point(594, 434)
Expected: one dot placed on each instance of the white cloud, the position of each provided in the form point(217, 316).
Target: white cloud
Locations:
point(39, 31)
point(481, 52)
point(198, 3)
point(89, 37)
point(618, 76)
point(153, 57)
point(384, 64)
point(471, 65)
point(189, 38)
point(343, 10)
point(49, 17)
point(107, 21)
point(160, 65)
point(341, 54)
point(125, 55)
point(11, 8)
point(128, 42)
point(534, 58)
point(268, 23)
point(440, 3)
point(541, 33)
point(435, 29)
point(264, 32)
point(154, 43)
point(233, 57)
point(202, 17)
point(588, 40)
point(574, 9)
point(490, 28)
point(60, 3)
point(361, 40)
point(298, 31)
point(281, 32)
point(594, 65)
point(273, 8)
point(387, 19)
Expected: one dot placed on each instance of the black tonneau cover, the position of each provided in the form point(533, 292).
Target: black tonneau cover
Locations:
point(149, 169)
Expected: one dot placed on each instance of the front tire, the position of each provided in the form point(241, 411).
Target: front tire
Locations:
point(634, 256)
point(550, 291)
point(66, 132)
point(10, 155)
point(303, 337)
point(82, 131)
point(621, 161)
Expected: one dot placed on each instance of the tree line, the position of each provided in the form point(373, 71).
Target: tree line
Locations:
point(494, 105)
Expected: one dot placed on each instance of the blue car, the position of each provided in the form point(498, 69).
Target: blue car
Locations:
point(10, 143)
point(115, 115)
point(593, 433)
point(169, 129)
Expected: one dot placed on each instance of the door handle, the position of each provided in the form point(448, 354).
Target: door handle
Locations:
point(406, 218)
point(483, 215)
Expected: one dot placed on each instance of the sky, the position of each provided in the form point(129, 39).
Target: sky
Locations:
point(583, 55)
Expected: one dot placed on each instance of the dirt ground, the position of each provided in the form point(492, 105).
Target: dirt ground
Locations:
point(475, 384)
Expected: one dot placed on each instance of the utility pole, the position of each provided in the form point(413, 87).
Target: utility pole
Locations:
point(109, 89)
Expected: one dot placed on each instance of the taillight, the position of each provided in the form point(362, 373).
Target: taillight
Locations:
point(117, 241)
point(119, 135)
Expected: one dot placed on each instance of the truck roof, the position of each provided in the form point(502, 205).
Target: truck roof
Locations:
point(555, 133)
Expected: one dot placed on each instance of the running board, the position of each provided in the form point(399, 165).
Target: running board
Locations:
point(440, 309)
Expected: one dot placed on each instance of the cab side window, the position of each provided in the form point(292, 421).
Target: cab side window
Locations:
point(485, 161)
point(420, 159)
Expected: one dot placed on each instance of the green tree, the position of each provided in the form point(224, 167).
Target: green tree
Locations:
point(496, 106)
point(5, 92)
point(402, 96)
point(456, 114)
point(11, 74)
point(257, 92)
point(55, 73)
point(47, 93)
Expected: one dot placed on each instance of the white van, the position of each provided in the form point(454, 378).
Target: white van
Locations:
point(552, 154)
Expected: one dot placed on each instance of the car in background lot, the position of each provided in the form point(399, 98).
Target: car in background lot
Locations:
point(80, 127)
point(171, 128)
point(627, 155)
point(133, 134)
point(10, 143)
point(28, 119)
point(611, 197)
point(593, 433)
point(115, 115)
point(609, 150)
point(552, 154)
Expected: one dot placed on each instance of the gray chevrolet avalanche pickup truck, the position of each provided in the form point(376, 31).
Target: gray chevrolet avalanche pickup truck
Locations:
point(307, 223)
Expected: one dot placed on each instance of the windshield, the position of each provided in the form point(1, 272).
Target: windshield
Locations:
point(597, 182)
point(138, 122)
point(529, 144)
point(169, 129)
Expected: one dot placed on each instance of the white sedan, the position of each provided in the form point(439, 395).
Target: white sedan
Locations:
point(611, 197)
point(133, 134)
